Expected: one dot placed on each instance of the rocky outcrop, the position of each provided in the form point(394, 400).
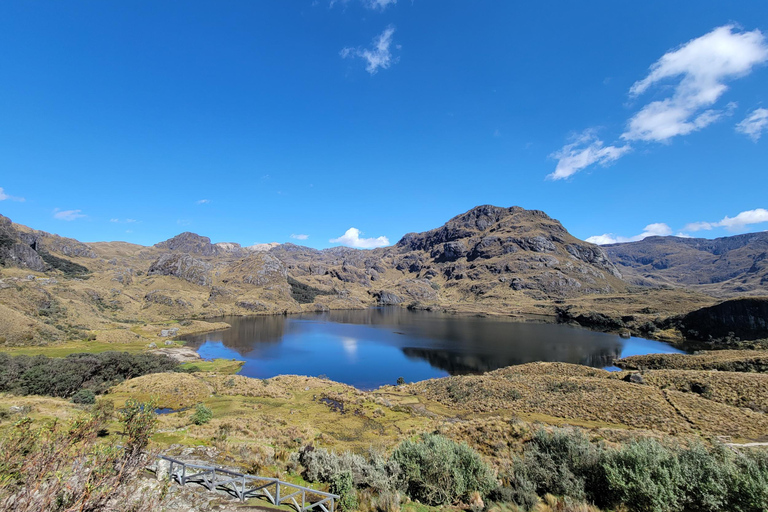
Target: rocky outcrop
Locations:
point(525, 250)
point(14, 252)
point(182, 266)
point(746, 319)
point(192, 243)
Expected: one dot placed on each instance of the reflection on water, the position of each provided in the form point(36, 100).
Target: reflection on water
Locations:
point(372, 347)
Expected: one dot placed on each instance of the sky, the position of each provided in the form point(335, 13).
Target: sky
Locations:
point(333, 122)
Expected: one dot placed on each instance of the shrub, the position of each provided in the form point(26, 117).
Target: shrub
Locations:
point(61, 467)
point(748, 484)
point(63, 377)
point(341, 484)
point(202, 415)
point(84, 396)
point(375, 471)
point(645, 476)
point(438, 471)
point(304, 293)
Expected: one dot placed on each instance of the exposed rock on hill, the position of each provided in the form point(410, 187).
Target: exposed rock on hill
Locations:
point(192, 243)
point(182, 266)
point(723, 266)
point(492, 247)
point(743, 318)
point(16, 252)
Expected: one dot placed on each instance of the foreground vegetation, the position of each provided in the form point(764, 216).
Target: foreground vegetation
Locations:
point(541, 437)
point(61, 466)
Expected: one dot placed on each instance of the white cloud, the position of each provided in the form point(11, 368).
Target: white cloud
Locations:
point(6, 197)
point(656, 229)
point(378, 56)
point(586, 150)
point(203, 201)
point(68, 214)
point(737, 223)
point(299, 237)
point(352, 239)
point(701, 67)
point(376, 5)
point(752, 126)
point(379, 4)
point(126, 221)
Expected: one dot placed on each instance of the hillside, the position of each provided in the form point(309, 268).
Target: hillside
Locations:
point(489, 260)
point(728, 266)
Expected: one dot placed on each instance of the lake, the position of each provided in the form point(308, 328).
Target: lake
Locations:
point(372, 347)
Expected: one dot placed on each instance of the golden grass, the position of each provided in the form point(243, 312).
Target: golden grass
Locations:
point(711, 360)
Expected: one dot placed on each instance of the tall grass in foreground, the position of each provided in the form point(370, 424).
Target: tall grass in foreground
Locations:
point(63, 467)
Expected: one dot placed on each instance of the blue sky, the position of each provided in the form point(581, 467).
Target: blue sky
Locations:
point(358, 121)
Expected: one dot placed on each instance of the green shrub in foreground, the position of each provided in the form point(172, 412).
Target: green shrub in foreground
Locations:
point(641, 476)
point(438, 471)
point(341, 484)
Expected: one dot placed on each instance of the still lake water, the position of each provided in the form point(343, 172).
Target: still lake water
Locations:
point(372, 347)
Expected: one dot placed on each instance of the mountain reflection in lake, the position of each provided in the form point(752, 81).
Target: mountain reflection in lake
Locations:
point(372, 347)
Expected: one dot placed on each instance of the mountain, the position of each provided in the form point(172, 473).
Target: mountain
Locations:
point(728, 266)
point(487, 260)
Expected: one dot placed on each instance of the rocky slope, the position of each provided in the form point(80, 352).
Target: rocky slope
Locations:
point(728, 266)
point(489, 259)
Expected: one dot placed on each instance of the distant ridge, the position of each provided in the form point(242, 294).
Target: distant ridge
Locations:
point(723, 266)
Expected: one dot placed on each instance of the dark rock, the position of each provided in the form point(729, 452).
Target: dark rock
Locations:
point(634, 378)
point(745, 318)
point(252, 305)
point(385, 298)
point(182, 266)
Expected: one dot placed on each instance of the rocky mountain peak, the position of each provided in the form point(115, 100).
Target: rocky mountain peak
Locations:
point(190, 243)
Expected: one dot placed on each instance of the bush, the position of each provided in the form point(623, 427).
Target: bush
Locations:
point(645, 476)
point(84, 396)
point(438, 471)
point(341, 484)
point(62, 466)
point(63, 377)
point(563, 462)
point(375, 471)
point(748, 484)
point(202, 415)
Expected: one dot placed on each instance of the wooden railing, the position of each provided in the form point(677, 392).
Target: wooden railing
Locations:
point(244, 486)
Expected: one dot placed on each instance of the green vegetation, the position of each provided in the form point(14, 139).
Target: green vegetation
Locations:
point(341, 484)
point(432, 469)
point(202, 415)
point(438, 471)
point(69, 268)
point(64, 377)
point(222, 366)
point(64, 466)
point(642, 476)
point(303, 293)
point(84, 396)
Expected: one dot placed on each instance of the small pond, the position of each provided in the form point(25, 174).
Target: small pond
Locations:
point(372, 347)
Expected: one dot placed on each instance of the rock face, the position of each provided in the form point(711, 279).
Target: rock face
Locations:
point(744, 318)
point(724, 266)
point(184, 267)
point(490, 247)
point(14, 252)
point(191, 243)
